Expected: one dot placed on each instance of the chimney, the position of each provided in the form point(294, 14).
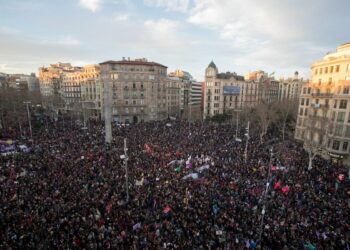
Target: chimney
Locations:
point(123, 58)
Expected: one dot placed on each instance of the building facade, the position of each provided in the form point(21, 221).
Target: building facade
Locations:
point(137, 89)
point(229, 92)
point(324, 108)
point(290, 89)
point(190, 95)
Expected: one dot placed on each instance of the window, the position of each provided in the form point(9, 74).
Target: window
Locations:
point(341, 117)
point(321, 70)
point(305, 113)
point(336, 145)
point(307, 102)
point(326, 70)
point(301, 111)
point(309, 90)
point(338, 130)
point(302, 102)
point(134, 85)
point(330, 80)
point(346, 90)
point(335, 104)
point(347, 131)
point(331, 69)
point(348, 68)
point(304, 90)
point(333, 115)
point(345, 146)
point(319, 81)
point(343, 104)
point(337, 68)
point(317, 101)
point(326, 103)
point(315, 71)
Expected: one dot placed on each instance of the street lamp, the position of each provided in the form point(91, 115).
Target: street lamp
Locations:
point(125, 158)
point(246, 145)
point(265, 194)
point(237, 110)
point(30, 123)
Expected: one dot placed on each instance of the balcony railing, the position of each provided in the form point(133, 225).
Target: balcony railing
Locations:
point(322, 94)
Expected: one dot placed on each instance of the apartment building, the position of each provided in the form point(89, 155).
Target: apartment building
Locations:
point(137, 89)
point(290, 88)
point(324, 108)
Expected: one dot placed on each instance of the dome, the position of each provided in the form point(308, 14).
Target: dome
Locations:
point(212, 65)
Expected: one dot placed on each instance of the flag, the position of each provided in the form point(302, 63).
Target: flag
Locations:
point(216, 209)
point(188, 162)
point(167, 209)
point(194, 176)
point(172, 162)
point(309, 246)
point(148, 149)
point(109, 208)
point(136, 226)
point(285, 189)
point(202, 168)
point(277, 185)
point(178, 169)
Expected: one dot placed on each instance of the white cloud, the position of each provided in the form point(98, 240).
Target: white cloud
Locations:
point(169, 5)
point(92, 5)
point(163, 33)
point(69, 40)
point(118, 17)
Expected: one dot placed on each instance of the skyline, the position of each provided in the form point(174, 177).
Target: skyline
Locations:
point(272, 36)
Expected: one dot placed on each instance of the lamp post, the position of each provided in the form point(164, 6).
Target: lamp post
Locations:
point(246, 145)
point(30, 123)
point(237, 110)
point(265, 194)
point(125, 158)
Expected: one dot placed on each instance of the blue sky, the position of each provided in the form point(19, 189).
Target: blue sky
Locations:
point(241, 36)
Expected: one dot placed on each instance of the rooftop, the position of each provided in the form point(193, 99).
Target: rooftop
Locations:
point(134, 62)
point(229, 75)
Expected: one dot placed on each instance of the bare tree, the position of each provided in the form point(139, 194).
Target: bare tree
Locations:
point(286, 113)
point(316, 129)
point(265, 115)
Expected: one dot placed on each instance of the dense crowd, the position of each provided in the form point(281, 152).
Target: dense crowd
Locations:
point(190, 187)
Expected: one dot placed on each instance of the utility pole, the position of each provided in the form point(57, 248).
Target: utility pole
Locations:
point(265, 194)
point(237, 117)
point(30, 123)
point(108, 113)
point(246, 145)
point(126, 170)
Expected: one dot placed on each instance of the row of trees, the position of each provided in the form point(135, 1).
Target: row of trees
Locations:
point(280, 116)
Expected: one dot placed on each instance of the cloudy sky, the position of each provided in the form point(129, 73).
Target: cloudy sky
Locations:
point(273, 35)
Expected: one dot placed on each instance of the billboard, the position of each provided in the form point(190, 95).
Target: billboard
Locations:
point(232, 90)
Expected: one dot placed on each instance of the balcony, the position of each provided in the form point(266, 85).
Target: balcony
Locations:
point(319, 95)
point(318, 106)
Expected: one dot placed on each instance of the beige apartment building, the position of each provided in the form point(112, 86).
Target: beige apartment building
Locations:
point(91, 91)
point(229, 92)
point(290, 88)
point(137, 89)
point(324, 108)
point(51, 85)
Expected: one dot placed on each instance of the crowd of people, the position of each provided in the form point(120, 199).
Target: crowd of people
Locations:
point(186, 186)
